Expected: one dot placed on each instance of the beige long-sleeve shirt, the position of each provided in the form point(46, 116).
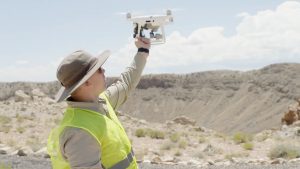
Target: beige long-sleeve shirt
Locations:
point(78, 147)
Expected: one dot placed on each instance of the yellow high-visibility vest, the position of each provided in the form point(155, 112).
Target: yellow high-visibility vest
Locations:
point(115, 147)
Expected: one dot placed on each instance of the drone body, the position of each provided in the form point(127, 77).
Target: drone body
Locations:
point(151, 26)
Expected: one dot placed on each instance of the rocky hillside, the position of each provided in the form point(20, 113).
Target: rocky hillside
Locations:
point(26, 120)
point(227, 101)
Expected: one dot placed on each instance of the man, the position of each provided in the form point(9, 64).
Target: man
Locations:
point(90, 136)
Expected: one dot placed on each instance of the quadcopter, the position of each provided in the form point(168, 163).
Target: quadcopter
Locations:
point(151, 27)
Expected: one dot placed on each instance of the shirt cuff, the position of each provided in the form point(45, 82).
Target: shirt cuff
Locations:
point(145, 50)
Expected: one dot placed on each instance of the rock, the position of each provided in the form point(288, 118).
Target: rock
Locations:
point(211, 150)
point(37, 92)
point(226, 163)
point(297, 123)
point(143, 122)
point(24, 151)
point(199, 129)
point(210, 162)
point(169, 123)
point(278, 161)
point(193, 162)
point(48, 100)
point(21, 153)
point(3, 152)
point(156, 160)
point(46, 156)
point(295, 160)
point(292, 115)
point(169, 159)
point(42, 153)
point(184, 121)
point(184, 163)
point(21, 96)
point(146, 161)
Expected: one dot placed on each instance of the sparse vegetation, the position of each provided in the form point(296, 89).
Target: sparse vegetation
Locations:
point(4, 120)
point(156, 134)
point(284, 151)
point(200, 155)
point(20, 129)
point(248, 146)
point(139, 154)
point(140, 133)
point(241, 137)
point(22, 118)
point(178, 153)
point(202, 139)
point(167, 146)
point(262, 137)
point(221, 135)
point(175, 137)
point(5, 128)
point(34, 143)
point(236, 155)
point(182, 144)
point(5, 166)
point(11, 143)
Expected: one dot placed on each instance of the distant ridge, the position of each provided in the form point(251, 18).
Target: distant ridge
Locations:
point(224, 100)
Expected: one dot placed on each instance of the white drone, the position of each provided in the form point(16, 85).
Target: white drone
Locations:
point(153, 24)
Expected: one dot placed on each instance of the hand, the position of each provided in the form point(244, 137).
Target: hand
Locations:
point(141, 42)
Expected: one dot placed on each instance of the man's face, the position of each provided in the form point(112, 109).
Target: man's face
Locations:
point(98, 81)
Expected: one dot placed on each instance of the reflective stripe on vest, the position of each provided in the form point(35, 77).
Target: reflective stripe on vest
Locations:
point(124, 163)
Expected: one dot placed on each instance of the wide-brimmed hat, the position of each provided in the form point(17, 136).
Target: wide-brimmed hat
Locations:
point(75, 69)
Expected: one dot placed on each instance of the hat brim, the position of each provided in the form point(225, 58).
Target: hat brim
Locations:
point(63, 92)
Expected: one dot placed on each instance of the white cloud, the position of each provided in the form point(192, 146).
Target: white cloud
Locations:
point(24, 71)
point(269, 36)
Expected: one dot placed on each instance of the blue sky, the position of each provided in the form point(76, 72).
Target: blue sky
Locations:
point(205, 35)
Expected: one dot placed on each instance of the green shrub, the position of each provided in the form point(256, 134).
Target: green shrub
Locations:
point(178, 153)
point(175, 137)
point(284, 151)
point(262, 136)
point(167, 146)
point(140, 132)
point(5, 166)
point(248, 146)
point(156, 134)
point(182, 144)
point(242, 138)
point(21, 129)
point(202, 139)
point(4, 120)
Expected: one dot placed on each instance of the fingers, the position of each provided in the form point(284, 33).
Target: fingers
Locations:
point(142, 42)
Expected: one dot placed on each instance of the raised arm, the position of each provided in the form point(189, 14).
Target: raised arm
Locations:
point(117, 92)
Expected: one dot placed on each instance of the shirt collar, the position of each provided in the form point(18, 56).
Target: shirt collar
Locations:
point(95, 106)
